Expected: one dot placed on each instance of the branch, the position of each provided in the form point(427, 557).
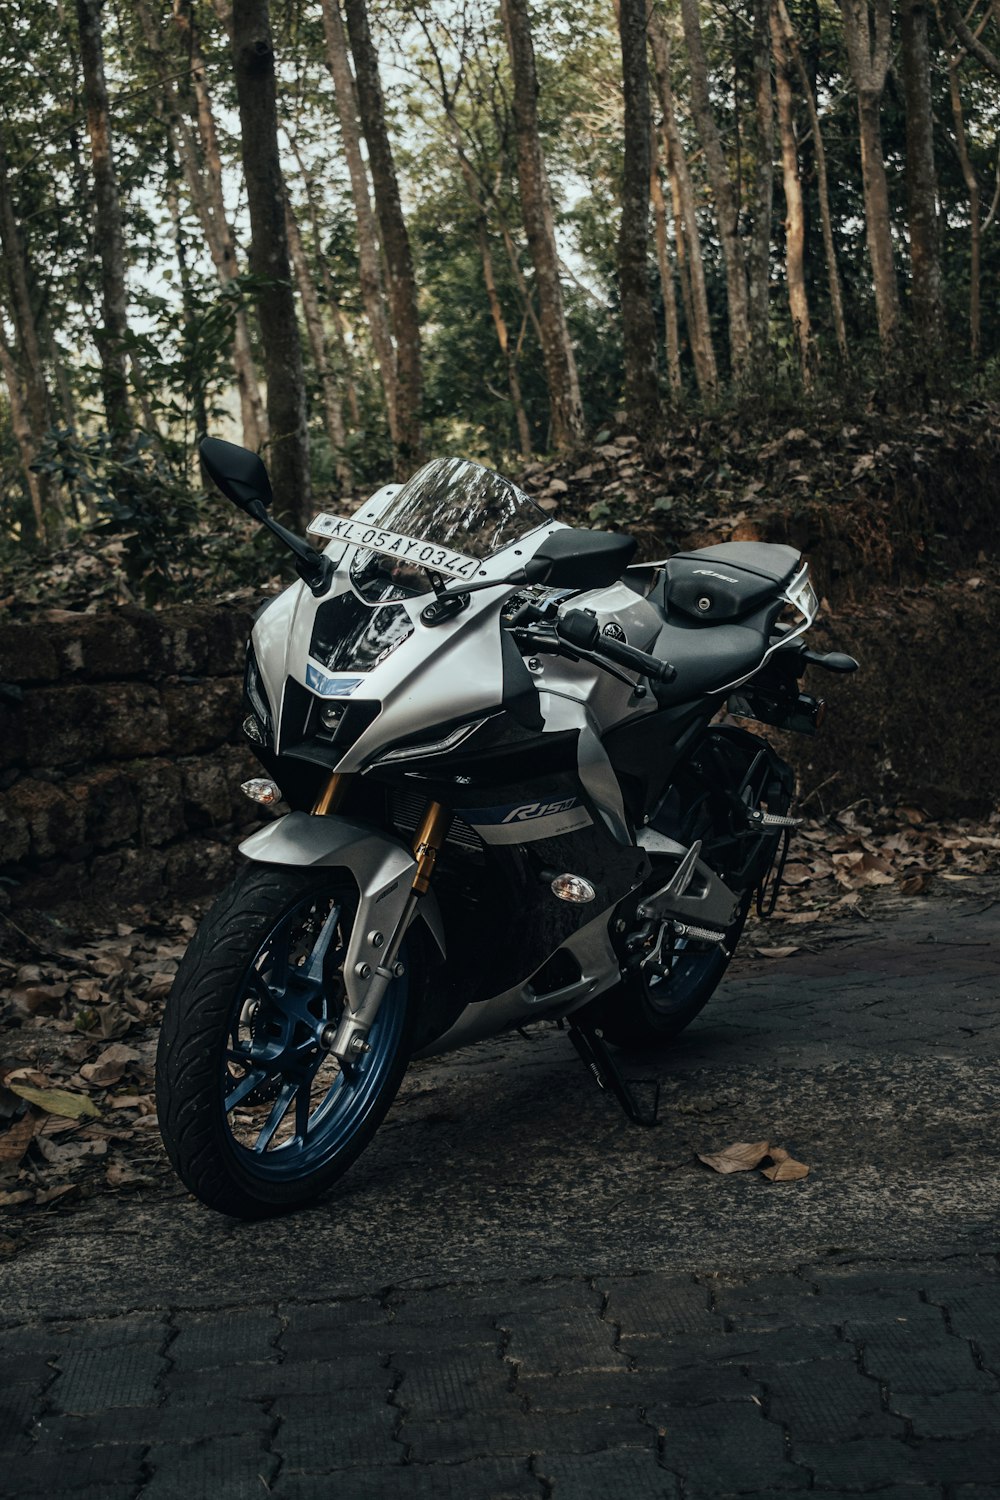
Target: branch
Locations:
point(970, 40)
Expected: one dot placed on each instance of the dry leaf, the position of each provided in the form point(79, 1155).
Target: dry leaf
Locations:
point(109, 1066)
point(786, 1170)
point(778, 952)
point(912, 885)
point(120, 1176)
point(61, 1190)
point(19, 1195)
point(15, 1141)
point(741, 1156)
point(55, 1101)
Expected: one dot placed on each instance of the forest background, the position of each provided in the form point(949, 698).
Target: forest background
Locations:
point(353, 235)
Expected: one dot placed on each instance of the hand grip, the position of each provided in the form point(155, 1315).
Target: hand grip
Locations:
point(579, 629)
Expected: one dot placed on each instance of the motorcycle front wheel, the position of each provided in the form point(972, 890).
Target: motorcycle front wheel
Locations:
point(257, 1116)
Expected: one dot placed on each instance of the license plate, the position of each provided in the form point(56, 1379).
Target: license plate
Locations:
point(410, 549)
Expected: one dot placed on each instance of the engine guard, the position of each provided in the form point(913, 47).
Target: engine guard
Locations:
point(382, 868)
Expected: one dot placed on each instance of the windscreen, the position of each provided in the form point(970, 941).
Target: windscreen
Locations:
point(453, 504)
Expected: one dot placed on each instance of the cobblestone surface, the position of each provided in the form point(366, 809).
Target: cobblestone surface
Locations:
point(519, 1296)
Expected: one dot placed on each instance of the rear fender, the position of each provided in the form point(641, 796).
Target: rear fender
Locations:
point(382, 868)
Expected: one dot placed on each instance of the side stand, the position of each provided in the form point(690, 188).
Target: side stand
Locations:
point(592, 1048)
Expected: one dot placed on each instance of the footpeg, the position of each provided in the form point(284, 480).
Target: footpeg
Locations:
point(590, 1044)
point(772, 820)
point(699, 934)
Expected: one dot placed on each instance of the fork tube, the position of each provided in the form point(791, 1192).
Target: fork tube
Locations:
point(427, 842)
point(332, 795)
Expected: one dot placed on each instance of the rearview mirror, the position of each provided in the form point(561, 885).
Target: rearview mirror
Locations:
point(238, 473)
point(570, 559)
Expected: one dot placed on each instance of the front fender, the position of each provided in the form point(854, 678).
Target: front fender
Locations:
point(381, 866)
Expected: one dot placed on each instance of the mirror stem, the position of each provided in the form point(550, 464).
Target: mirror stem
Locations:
point(314, 568)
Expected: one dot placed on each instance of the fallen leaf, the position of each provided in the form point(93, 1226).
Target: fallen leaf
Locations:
point(120, 1176)
point(61, 1190)
point(912, 885)
point(785, 1170)
point(15, 1141)
point(741, 1156)
point(19, 1195)
point(109, 1066)
point(56, 1101)
point(784, 952)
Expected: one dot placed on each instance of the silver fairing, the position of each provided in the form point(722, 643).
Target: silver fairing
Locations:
point(454, 671)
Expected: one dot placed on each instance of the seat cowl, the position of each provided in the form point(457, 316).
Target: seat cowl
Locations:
point(728, 580)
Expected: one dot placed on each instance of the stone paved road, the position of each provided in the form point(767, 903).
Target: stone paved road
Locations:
point(517, 1294)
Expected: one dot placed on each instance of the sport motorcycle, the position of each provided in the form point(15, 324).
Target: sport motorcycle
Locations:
point(512, 794)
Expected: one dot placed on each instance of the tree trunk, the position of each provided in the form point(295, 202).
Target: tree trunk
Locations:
point(35, 406)
point(199, 408)
point(726, 204)
point(795, 226)
point(201, 162)
point(112, 336)
point(565, 405)
point(869, 62)
point(921, 182)
point(503, 339)
point(25, 439)
point(370, 270)
point(395, 240)
point(671, 334)
point(340, 323)
point(823, 188)
point(760, 246)
point(332, 413)
point(253, 60)
point(975, 224)
point(642, 400)
point(685, 216)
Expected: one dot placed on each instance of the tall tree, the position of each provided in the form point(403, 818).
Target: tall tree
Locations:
point(758, 289)
point(727, 210)
point(795, 222)
point(253, 61)
point(868, 54)
point(204, 173)
point(112, 336)
point(822, 182)
point(671, 332)
point(921, 181)
point(333, 415)
point(691, 264)
point(33, 527)
point(394, 237)
point(565, 405)
point(370, 268)
point(642, 402)
point(32, 415)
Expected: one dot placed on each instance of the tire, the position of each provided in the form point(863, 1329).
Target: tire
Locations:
point(256, 1117)
point(644, 1012)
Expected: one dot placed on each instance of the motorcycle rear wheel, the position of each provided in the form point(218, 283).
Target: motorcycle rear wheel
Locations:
point(647, 1010)
point(256, 1116)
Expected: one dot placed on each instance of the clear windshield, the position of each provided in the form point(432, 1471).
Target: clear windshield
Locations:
point(452, 503)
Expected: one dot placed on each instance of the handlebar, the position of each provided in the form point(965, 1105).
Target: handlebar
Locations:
point(579, 632)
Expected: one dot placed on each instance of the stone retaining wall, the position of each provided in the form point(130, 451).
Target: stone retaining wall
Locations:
point(120, 753)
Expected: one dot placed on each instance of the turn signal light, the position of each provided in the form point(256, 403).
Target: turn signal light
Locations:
point(573, 888)
point(261, 789)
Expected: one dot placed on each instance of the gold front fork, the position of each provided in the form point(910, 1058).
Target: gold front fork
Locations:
point(427, 841)
point(332, 795)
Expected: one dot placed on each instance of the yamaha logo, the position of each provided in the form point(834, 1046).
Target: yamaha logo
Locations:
point(614, 632)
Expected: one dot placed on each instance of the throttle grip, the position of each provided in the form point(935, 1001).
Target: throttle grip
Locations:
point(579, 628)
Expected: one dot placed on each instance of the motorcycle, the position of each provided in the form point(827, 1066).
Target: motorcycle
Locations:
point(510, 799)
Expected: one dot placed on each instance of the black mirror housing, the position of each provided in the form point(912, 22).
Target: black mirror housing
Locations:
point(238, 473)
point(571, 559)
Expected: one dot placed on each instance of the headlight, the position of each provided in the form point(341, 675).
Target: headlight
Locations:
point(255, 695)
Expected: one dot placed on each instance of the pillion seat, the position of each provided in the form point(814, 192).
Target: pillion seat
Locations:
point(718, 604)
point(726, 582)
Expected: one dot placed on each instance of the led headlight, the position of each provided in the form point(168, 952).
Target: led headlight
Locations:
point(331, 715)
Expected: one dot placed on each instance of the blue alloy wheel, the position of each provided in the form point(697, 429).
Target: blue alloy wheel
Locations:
point(290, 1105)
point(256, 1113)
